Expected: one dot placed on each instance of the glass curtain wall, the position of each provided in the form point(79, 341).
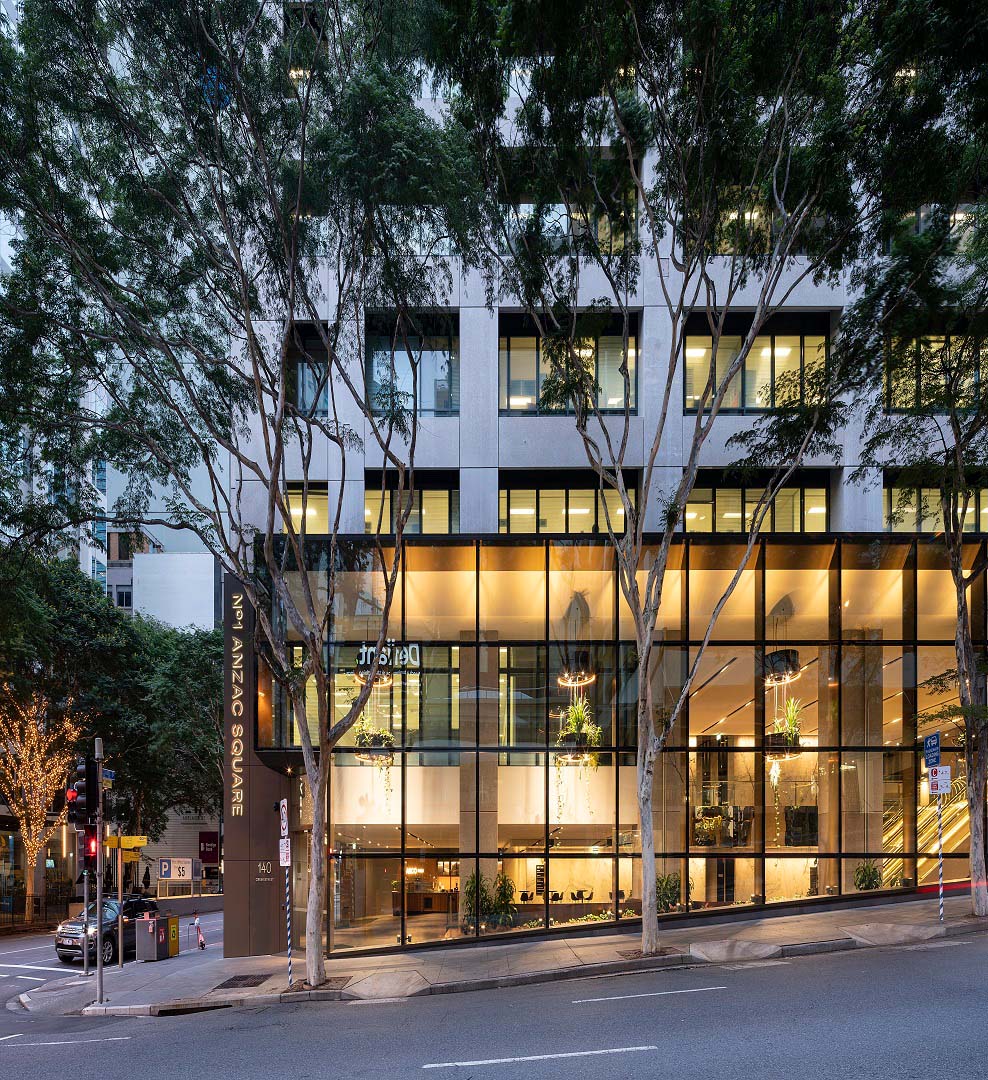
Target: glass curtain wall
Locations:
point(490, 788)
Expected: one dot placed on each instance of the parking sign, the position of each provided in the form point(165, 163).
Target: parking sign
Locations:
point(931, 749)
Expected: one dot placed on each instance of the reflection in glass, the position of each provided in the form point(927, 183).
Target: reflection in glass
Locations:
point(365, 902)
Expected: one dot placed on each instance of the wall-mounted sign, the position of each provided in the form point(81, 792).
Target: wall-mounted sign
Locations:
point(394, 656)
point(236, 700)
point(209, 848)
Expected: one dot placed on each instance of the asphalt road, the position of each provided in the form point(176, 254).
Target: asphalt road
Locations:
point(913, 1012)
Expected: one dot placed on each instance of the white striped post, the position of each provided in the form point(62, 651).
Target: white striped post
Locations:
point(288, 923)
point(940, 853)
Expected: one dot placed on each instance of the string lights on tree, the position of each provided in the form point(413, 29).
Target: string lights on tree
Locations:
point(36, 750)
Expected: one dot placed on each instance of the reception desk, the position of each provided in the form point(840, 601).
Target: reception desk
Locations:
point(426, 902)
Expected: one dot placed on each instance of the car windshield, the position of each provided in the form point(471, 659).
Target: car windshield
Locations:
point(109, 910)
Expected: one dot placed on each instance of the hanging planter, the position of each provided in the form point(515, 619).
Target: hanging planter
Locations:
point(782, 743)
point(374, 745)
point(579, 737)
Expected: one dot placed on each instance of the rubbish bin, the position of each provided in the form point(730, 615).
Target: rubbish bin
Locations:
point(152, 939)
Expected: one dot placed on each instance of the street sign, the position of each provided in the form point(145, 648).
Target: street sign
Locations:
point(131, 856)
point(285, 852)
point(284, 818)
point(109, 774)
point(179, 869)
point(126, 842)
point(940, 780)
point(931, 749)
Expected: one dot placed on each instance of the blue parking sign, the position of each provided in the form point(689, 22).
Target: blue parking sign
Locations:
point(931, 750)
point(164, 868)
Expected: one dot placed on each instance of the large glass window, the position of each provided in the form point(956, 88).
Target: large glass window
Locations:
point(775, 371)
point(434, 512)
point(729, 509)
point(414, 357)
point(575, 509)
point(491, 785)
point(524, 365)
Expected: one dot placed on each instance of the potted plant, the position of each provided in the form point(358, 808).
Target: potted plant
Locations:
point(476, 903)
point(502, 901)
point(373, 743)
point(782, 742)
point(579, 737)
point(867, 876)
point(667, 891)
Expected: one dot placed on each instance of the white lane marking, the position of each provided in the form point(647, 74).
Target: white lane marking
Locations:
point(4, 1038)
point(30, 978)
point(380, 1001)
point(74, 1042)
point(33, 948)
point(656, 993)
point(538, 1057)
point(933, 945)
point(754, 964)
point(32, 967)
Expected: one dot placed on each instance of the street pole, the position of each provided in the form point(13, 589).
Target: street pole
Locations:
point(940, 853)
point(120, 935)
point(85, 921)
point(99, 871)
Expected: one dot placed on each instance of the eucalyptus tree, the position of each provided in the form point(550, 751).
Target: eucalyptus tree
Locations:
point(714, 156)
point(917, 332)
point(210, 195)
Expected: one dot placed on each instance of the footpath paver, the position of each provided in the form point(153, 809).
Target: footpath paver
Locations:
point(195, 981)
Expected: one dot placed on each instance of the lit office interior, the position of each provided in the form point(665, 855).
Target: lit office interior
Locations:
point(469, 804)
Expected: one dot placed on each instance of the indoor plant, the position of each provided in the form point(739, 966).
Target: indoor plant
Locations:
point(867, 876)
point(372, 743)
point(579, 736)
point(782, 742)
point(667, 891)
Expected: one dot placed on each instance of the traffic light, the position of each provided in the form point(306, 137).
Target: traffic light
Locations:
point(82, 795)
point(89, 849)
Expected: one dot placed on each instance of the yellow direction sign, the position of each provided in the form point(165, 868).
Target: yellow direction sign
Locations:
point(131, 856)
point(126, 842)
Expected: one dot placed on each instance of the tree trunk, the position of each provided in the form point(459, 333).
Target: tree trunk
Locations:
point(315, 953)
point(977, 773)
point(645, 773)
point(971, 691)
point(30, 865)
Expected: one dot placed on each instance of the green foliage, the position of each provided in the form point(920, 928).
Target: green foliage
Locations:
point(788, 721)
point(668, 891)
point(152, 693)
point(502, 901)
point(867, 875)
point(368, 737)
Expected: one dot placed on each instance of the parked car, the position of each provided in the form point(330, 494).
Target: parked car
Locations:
point(69, 935)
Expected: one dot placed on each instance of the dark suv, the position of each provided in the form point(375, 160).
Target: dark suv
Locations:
point(69, 935)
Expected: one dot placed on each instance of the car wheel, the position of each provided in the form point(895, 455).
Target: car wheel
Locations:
point(109, 950)
point(66, 958)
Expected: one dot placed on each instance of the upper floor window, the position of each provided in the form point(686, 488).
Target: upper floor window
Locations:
point(433, 506)
point(725, 509)
point(936, 373)
point(523, 368)
point(576, 508)
point(776, 372)
point(310, 505)
point(910, 509)
point(307, 372)
point(414, 357)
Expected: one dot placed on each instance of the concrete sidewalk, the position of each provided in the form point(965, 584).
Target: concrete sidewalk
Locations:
point(195, 981)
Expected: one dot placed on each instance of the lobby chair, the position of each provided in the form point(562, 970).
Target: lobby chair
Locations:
point(555, 897)
point(525, 896)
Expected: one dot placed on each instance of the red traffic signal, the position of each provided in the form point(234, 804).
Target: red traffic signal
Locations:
point(91, 845)
point(71, 795)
